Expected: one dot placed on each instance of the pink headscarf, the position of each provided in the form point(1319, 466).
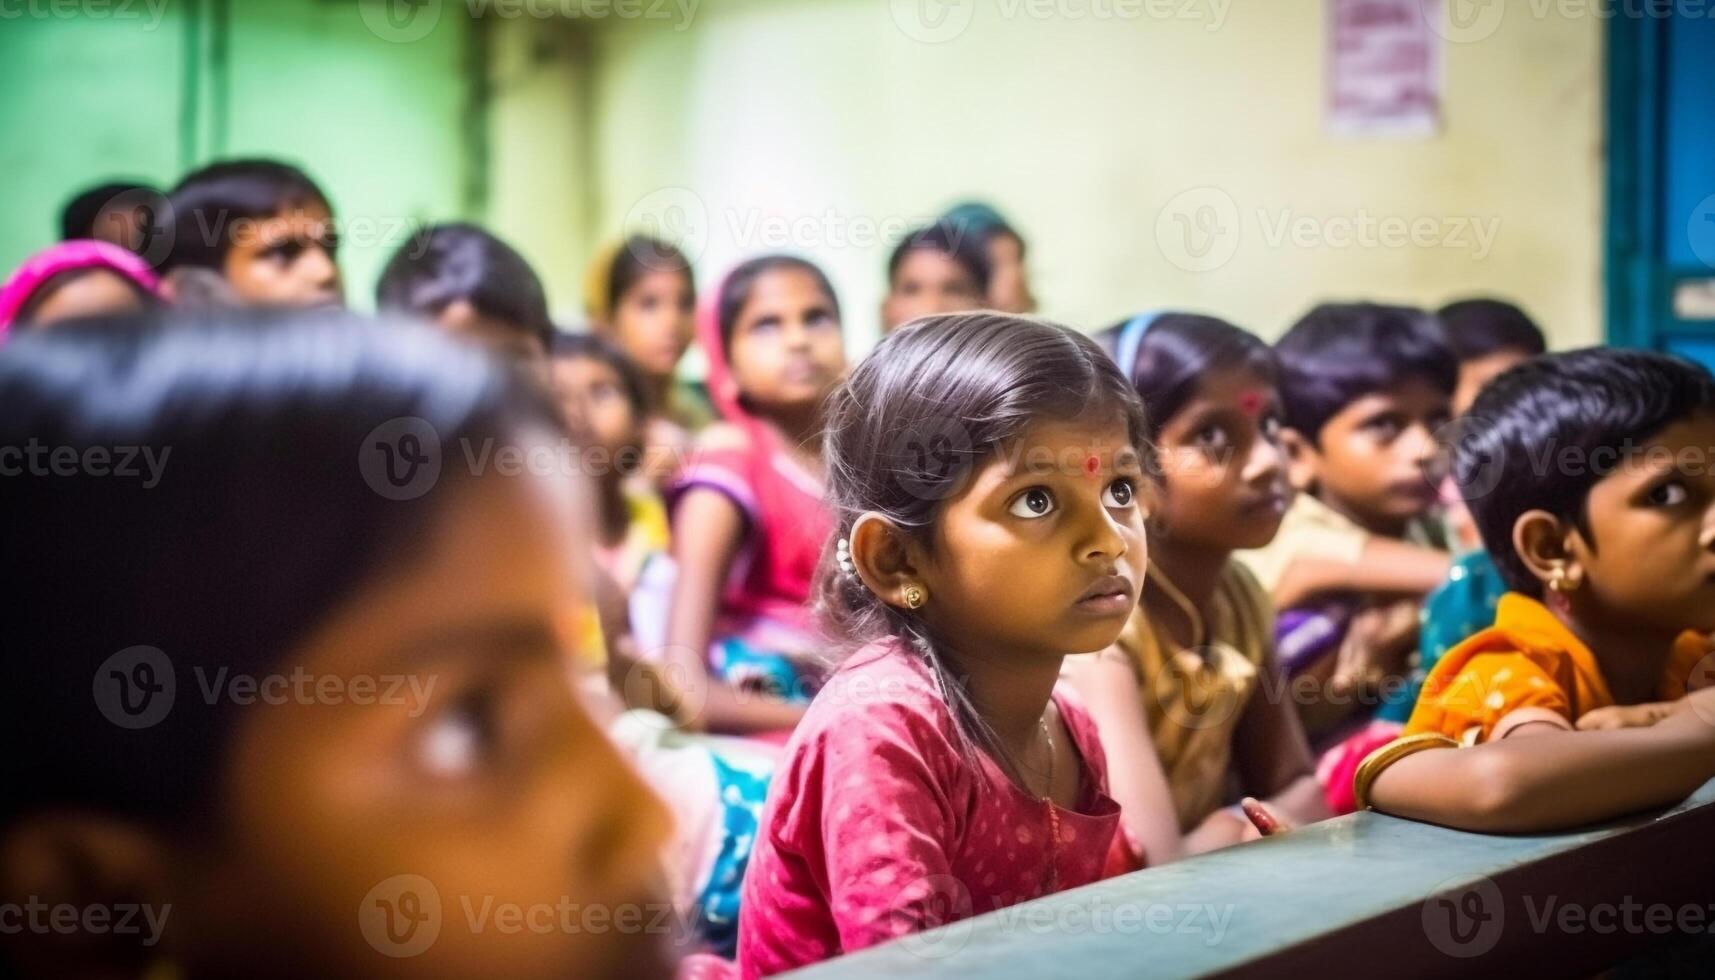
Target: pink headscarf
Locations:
point(38, 269)
point(723, 388)
point(785, 505)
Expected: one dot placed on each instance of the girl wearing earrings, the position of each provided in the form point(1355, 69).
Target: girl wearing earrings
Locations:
point(938, 774)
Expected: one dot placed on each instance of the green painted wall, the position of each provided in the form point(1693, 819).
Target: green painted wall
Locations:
point(379, 123)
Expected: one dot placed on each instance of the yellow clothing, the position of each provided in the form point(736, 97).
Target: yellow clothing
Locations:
point(1195, 698)
point(591, 641)
point(1310, 529)
point(645, 537)
point(1528, 658)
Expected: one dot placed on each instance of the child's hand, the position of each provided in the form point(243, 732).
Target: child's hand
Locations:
point(1376, 646)
point(1265, 821)
point(1627, 716)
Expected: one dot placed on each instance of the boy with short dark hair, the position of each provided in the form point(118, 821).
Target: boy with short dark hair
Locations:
point(1365, 390)
point(1487, 336)
point(1590, 480)
point(263, 227)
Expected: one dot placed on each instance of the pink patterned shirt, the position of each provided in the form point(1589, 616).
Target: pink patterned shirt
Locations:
point(877, 825)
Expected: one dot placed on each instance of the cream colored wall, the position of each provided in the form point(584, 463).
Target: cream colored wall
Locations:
point(539, 194)
point(809, 123)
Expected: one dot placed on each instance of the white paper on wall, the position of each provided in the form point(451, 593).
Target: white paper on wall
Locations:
point(1384, 67)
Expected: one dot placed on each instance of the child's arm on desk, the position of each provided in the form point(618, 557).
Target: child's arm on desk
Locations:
point(1543, 778)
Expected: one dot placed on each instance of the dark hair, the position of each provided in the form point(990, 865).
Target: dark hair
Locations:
point(956, 242)
point(1476, 328)
point(735, 289)
point(984, 222)
point(1596, 403)
point(1340, 352)
point(638, 256)
point(590, 347)
point(444, 264)
point(915, 418)
point(1179, 349)
point(78, 217)
point(209, 205)
point(263, 519)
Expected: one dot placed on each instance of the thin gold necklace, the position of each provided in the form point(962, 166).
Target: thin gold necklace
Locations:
point(1053, 876)
point(1199, 632)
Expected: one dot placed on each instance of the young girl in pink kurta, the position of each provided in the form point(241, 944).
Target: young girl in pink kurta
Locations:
point(748, 520)
point(985, 474)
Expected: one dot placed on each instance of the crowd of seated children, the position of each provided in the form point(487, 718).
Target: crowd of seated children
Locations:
point(940, 268)
point(234, 233)
point(827, 565)
point(1364, 391)
point(1187, 700)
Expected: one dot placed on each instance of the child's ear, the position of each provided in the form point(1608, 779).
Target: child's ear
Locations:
point(1303, 462)
point(1545, 544)
point(884, 559)
point(87, 861)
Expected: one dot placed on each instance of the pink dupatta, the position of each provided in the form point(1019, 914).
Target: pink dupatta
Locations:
point(42, 267)
point(787, 521)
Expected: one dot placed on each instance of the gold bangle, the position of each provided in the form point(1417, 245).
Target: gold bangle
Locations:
point(1389, 754)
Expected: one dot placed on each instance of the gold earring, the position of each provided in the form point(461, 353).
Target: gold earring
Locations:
point(914, 597)
point(1561, 582)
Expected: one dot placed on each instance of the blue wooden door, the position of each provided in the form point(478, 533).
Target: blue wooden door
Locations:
point(1661, 188)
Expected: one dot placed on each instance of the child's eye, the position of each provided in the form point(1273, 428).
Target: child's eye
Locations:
point(1119, 493)
point(1669, 494)
point(1271, 428)
point(1033, 503)
point(285, 253)
point(457, 741)
point(1212, 439)
point(1385, 427)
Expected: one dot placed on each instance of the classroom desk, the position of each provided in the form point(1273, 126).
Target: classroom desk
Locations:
point(1360, 895)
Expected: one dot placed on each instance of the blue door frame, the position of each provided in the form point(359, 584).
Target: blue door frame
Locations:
point(1661, 180)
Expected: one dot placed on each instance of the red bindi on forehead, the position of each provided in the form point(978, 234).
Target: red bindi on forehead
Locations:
point(1093, 465)
point(1252, 401)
